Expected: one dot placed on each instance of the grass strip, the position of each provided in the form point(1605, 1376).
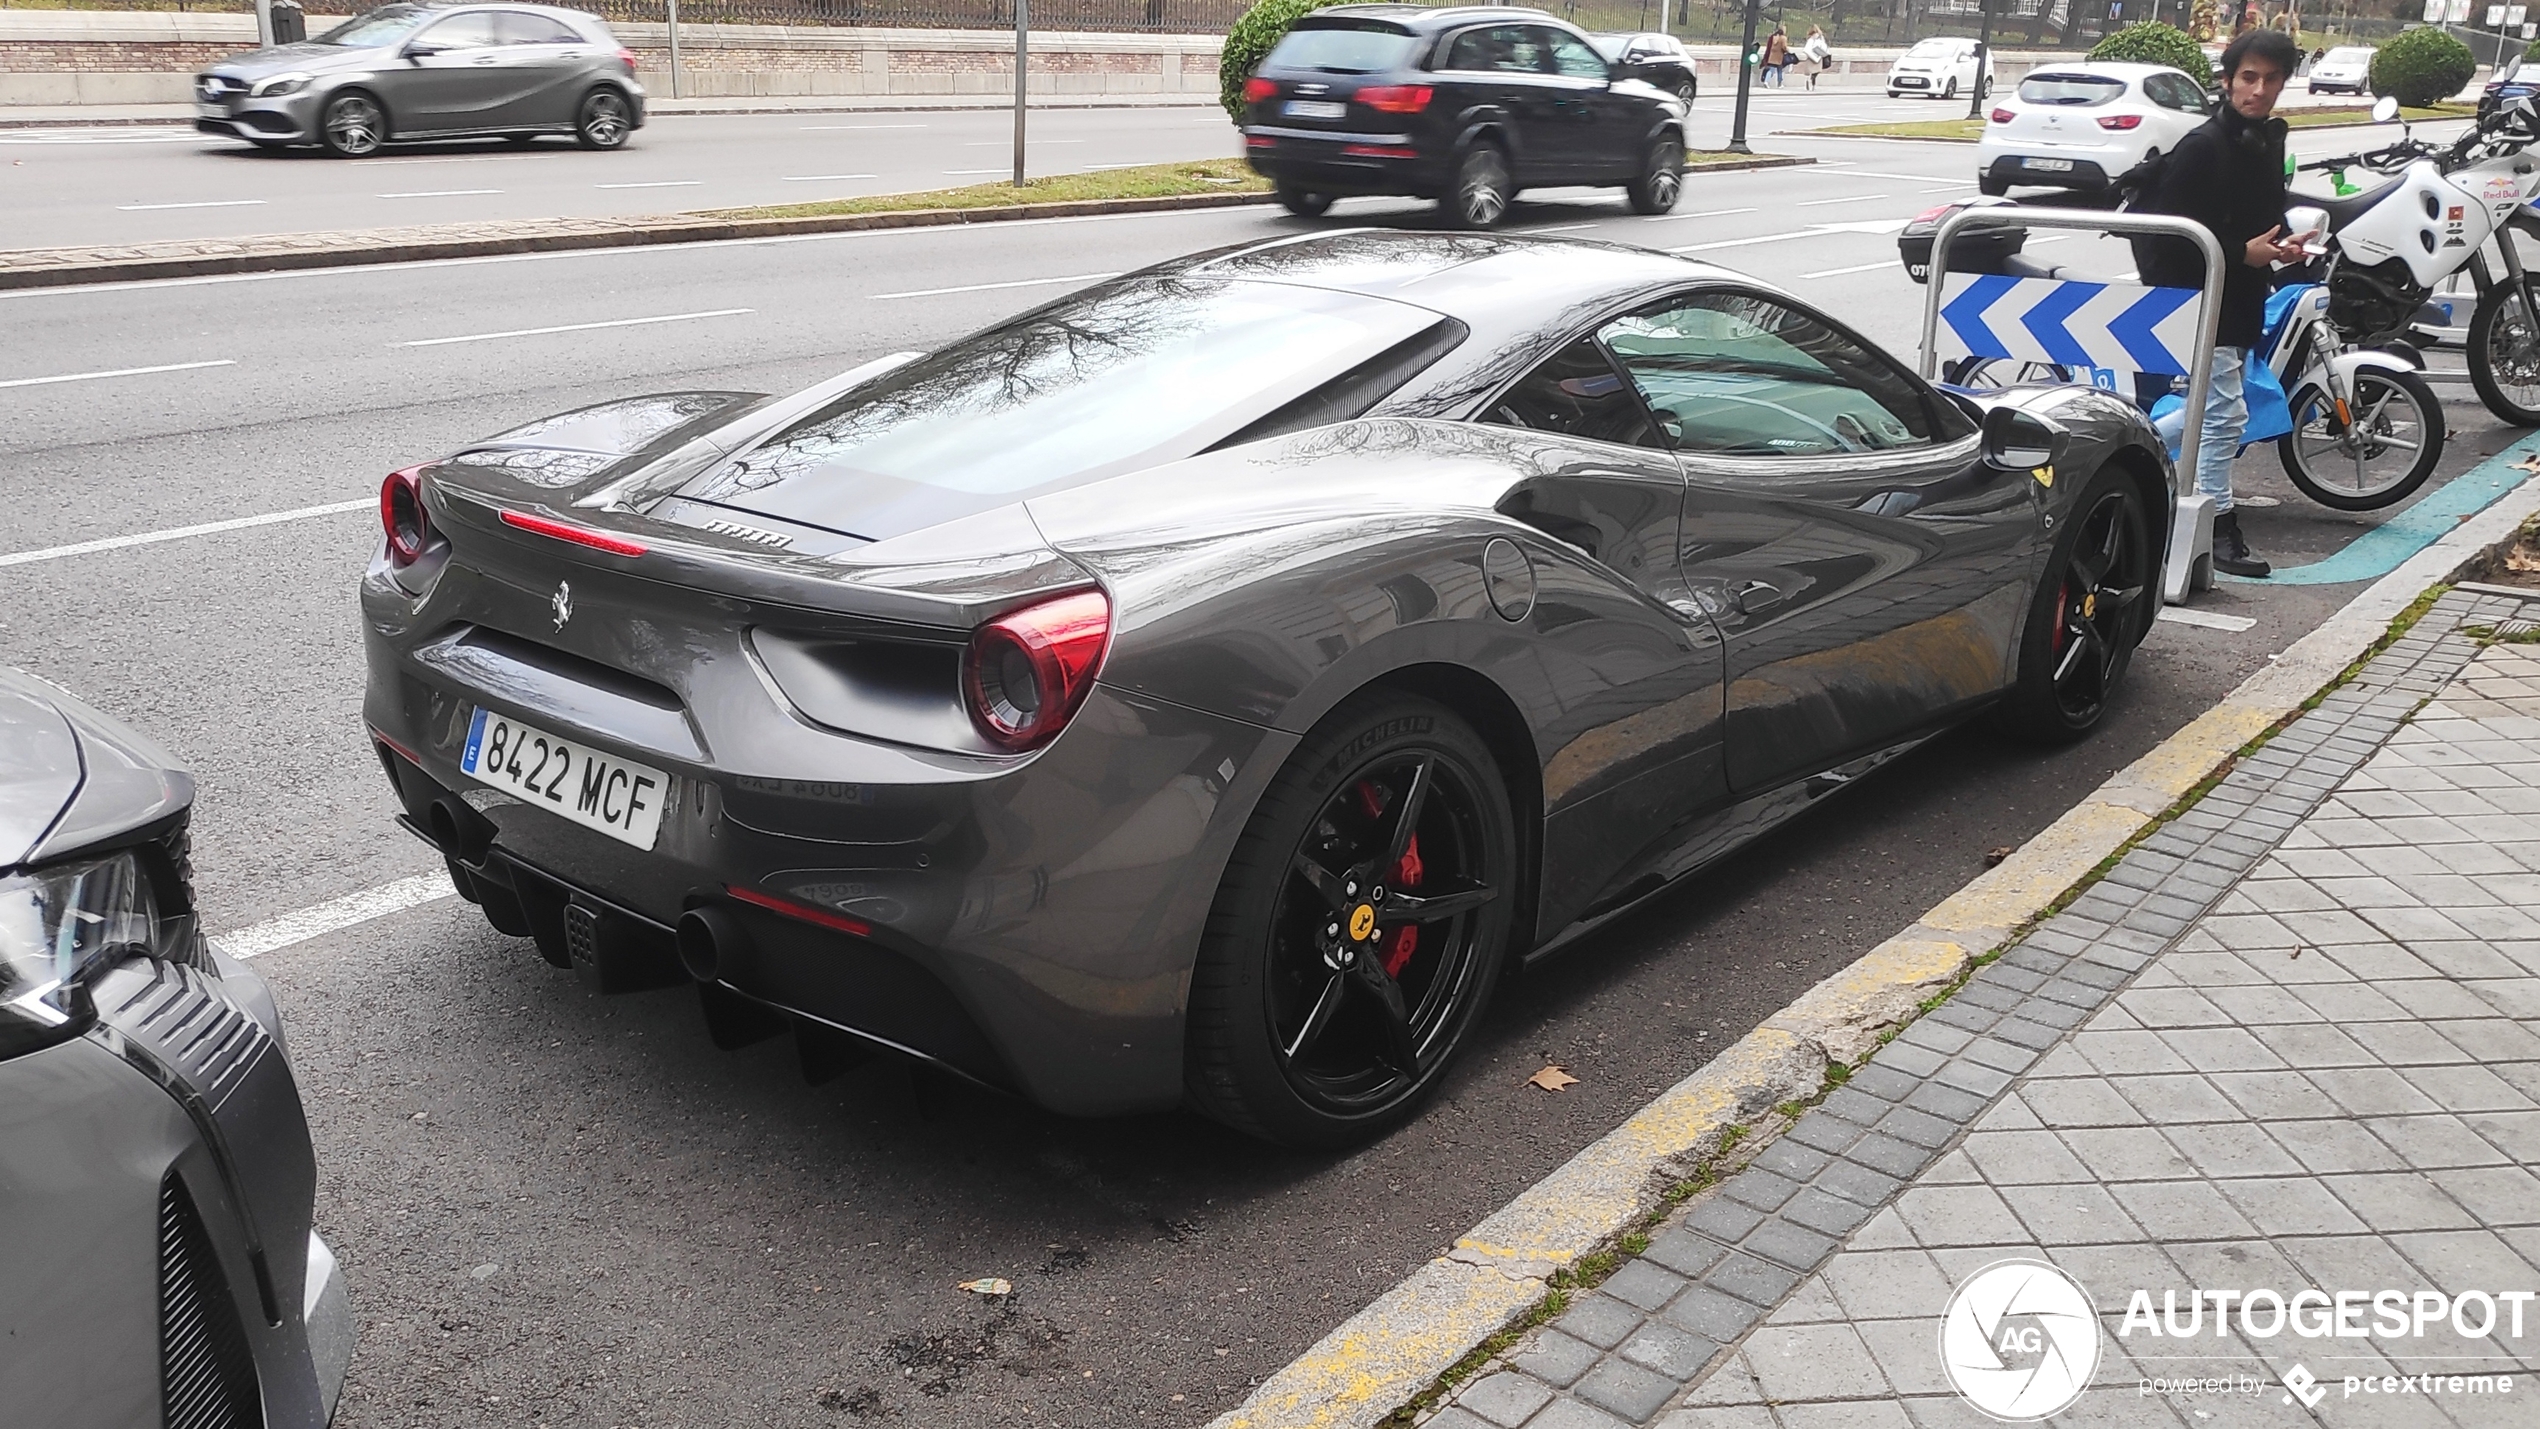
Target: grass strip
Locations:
point(1207, 176)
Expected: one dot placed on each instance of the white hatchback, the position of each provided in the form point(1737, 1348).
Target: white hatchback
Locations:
point(2347, 68)
point(2079, 126)
point(1940, 67)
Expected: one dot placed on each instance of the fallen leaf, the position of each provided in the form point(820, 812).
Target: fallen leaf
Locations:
point(992, 1285)
point(2297, 952)
point(1993, 856)
point(1552, 1079)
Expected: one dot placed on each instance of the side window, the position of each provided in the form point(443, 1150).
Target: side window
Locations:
point(1737, 374)
point(521, 28)
point(1505, 49)
point(473, 30)
point(1578, 393)
point(1573, 59)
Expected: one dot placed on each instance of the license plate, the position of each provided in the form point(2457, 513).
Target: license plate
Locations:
point(1316, 109)
point(2050, 166)
point(1908, 82)
point(618, 797)
point(212, 111)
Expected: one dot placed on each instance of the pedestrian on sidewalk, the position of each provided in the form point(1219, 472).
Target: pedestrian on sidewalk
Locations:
point(1818, 52)
point(1776, 55)
point(2228, 175)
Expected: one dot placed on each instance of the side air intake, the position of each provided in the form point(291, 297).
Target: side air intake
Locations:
point(207, 1376)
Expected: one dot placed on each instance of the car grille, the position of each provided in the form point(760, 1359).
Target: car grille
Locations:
point(207, 1039)
point(207, 1377)
point(216, 87)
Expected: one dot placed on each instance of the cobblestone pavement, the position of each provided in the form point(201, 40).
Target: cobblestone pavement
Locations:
point(2288, 1043)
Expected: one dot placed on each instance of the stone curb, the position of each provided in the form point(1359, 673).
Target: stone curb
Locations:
point(407, 245)
point(1379, 1358)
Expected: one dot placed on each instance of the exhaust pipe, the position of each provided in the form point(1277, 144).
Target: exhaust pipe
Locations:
point(712, 946)
point(462, 833)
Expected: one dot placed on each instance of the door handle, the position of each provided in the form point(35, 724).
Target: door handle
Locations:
point(1757, 598)
point(487, 60)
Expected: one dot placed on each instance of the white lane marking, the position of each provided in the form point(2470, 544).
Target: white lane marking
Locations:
point(440, 193)
point(990, 287)
point(1855, 268)
point(1706, 213)
point(1559, 228)
point(29, 136)
point(335, 915)
point(1008, 143)
point(1848, 198)
point(207, 203)
point(863, 126)
point(117, 372)
point(2206, 619)
point(179, 533)
point(576, 327)
point(823, 178)
point(956, 172)
point(1839, 167)
point(63, 290)
point(1946, 188)
point(655, 184)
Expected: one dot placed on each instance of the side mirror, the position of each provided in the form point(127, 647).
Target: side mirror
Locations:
point(2385, 109)
point(2020, 441)
point(423, 50)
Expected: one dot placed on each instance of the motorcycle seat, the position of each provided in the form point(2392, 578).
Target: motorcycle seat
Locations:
point(2342, 211)
point(2015, 265)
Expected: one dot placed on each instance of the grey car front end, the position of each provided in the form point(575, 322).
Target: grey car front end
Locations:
point(410, 72)
point(156, 1174)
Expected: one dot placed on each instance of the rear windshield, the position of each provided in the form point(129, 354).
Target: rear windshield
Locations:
point(2355, 56)
point(2070, 88)
point(1932, 49)
point(1338, 47)
point(1122, 377)
point(384, 26)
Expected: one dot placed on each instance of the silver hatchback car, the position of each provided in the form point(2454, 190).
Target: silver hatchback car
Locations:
point(157, 1265)
point(408, 72)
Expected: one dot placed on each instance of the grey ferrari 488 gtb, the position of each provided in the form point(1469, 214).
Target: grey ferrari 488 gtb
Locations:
point(1199, 689)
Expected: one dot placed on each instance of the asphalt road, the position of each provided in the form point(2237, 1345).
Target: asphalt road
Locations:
point(560, 1209)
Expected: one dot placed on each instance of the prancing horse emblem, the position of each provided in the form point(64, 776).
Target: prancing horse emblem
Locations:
point(562, 605)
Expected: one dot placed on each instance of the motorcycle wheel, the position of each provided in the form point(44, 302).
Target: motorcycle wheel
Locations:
point(1984, 374)
point(2377, 460)
point(2504, 355)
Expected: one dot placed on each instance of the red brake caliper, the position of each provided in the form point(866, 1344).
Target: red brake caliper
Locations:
point(2063, 610)
point(1406, 874)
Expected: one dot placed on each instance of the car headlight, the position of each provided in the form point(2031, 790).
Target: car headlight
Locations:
point(60, 926)
point(278, 86)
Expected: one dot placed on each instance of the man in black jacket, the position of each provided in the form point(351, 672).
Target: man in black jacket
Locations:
point(2229, 176)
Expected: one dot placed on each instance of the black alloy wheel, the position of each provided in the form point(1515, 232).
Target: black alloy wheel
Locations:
point(1359, 930)
point(2092, 608)
point(1662, 178)
point(605, 122)
point(1685, 91)
point(1483, 189)
point(1304, 203)
point(352, 125)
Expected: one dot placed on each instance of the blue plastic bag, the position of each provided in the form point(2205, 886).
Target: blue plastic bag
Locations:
point(2270, 414)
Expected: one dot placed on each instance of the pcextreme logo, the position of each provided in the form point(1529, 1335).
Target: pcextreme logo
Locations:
point(2020, 1340)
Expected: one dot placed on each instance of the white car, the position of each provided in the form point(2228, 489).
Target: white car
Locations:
point(2347, 68)
point(2079, 126)
point(1944, 68)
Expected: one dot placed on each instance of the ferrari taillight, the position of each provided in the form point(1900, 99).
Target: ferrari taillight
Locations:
point(402, 516)
point(1396, 98)
point(1026, 671)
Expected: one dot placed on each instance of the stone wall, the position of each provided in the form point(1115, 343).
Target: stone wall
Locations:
point(135, 57)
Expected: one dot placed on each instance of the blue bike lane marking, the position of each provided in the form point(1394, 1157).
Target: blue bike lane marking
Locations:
point(2380, 550)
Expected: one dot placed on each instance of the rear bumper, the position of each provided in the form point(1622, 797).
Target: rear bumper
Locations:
point(1028, 925)
point(1346, 163)
point(2085, 173)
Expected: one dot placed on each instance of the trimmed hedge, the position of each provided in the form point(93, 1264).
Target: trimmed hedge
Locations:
point(2422, 66)
point(2153, 43)
point(1250, 42)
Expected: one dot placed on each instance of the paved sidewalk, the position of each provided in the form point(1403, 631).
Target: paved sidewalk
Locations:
point(2291, 1043)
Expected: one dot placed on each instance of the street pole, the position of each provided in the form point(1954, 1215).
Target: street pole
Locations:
point(1745, 80)
point(1022, 78)
point(674, 48)
point(264, 24)
point(1984, 46)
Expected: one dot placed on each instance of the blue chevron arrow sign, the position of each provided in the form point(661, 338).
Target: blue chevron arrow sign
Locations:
point(2120, 326)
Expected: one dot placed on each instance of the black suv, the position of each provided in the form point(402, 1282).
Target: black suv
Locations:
point(1465, 106)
